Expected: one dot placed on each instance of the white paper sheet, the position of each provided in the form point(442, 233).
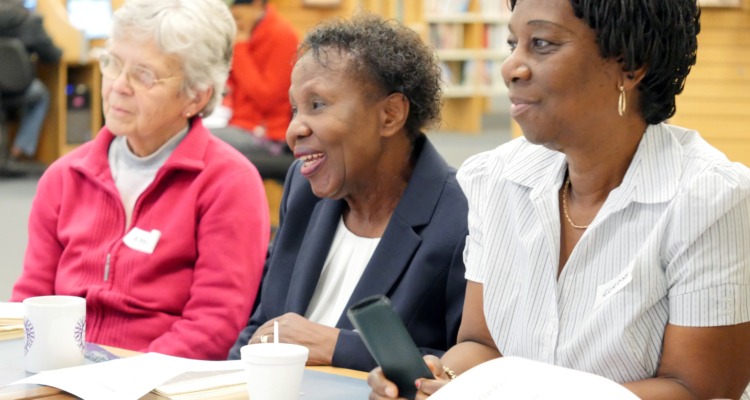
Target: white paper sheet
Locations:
point(521, 379)
point(126, 378)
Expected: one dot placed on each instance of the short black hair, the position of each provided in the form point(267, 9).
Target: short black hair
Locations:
point(388, 55)
point(659, 34)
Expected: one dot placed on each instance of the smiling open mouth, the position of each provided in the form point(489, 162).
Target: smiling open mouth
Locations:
point(311, 163)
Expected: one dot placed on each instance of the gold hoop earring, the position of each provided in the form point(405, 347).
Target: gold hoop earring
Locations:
point(622, 105)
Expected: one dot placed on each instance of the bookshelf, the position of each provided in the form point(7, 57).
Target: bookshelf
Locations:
point(470, 37)
point(66, 125)
point(473, 61)
point(464, 105)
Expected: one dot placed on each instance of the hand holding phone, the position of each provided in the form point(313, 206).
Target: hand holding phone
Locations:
point(390, 344)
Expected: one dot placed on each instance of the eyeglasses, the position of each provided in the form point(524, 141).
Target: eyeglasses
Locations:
point(138, 77)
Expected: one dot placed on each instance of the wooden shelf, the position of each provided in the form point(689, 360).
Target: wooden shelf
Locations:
point(464, 91)
point(75, 68)
point(471, 46)
point(472, 54)
point(467, 18)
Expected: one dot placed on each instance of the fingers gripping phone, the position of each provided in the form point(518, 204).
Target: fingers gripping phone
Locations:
point(389, 343)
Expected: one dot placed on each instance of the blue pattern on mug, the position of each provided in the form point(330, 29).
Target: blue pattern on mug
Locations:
point(80, 334)
point(30, 335)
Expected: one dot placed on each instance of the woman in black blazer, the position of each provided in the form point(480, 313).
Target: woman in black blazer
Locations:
point(369, 207)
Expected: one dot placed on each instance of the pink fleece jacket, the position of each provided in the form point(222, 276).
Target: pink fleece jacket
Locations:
point(193, 294)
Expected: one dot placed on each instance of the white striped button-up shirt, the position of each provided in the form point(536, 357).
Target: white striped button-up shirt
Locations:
point(671, 244)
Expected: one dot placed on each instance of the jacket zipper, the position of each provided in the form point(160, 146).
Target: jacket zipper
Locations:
point(106, 268)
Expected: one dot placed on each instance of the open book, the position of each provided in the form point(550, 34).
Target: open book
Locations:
point(135, 377)
point(521, 379)
point(219, 385)
point(11, 320)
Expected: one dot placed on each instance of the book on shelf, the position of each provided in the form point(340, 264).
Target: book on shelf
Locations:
point(473, 78)
point(441, 7)
point(495, 37)
point(469, 74)
point(481, 73)
point(447, 75)
point(494, 7)
point(446, 36)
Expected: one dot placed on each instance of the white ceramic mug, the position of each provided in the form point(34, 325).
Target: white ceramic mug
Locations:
point(274, 371)
point(55, 332)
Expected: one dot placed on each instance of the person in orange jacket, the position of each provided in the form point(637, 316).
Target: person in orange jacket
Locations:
point(258, 86)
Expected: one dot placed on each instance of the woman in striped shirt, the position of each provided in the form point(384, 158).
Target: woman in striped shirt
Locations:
point(605, 240)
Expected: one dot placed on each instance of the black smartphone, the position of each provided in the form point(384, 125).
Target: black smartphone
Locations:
point(389, 343)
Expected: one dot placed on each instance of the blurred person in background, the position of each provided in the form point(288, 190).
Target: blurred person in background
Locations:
point(259, 82)
point(18, 22)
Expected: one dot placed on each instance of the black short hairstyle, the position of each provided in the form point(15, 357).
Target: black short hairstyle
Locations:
point(387, 55)
point(660, 34)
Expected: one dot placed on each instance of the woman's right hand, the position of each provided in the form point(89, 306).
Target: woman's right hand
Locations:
point(382, 388)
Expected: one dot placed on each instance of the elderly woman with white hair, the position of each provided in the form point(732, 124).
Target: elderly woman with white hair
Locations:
point(162, 227)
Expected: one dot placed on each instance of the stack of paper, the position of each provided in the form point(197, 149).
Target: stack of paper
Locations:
point(215, 385)
point(11, 320)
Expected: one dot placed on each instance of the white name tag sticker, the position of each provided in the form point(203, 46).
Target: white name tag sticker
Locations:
point(143, 241)
point(607, 290)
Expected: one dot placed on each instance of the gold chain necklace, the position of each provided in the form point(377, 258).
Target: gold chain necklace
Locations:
point(566, 187)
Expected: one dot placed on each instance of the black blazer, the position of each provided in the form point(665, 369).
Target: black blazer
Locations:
point(418, 263)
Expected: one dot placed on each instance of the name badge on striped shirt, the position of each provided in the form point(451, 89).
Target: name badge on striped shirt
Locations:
point(607, 290)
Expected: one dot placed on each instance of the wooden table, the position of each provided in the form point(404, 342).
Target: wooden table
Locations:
point(11, 369)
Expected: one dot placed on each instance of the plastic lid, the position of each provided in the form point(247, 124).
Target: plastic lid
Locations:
point(274, 354)
point(54, 300)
